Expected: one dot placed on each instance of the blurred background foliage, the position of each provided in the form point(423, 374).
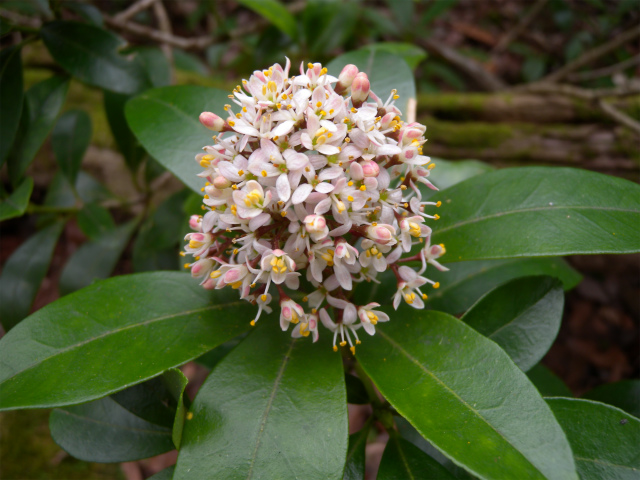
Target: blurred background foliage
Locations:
point(508, 82)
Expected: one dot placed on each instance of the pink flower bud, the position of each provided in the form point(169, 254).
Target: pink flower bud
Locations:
point(346, 77)
point(315, 223)
point(360, 89)
point(382, 234)
point(212, 121)
point(195, 222)
point(220, 182)
point(370, 168)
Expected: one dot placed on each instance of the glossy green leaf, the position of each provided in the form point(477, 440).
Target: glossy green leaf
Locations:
point(538, 211)
point(176, 383)
point(401, 460)
point(155, 64)
point(604, 439)
point(624, 395)
point(23, 273)
point(60, 193)
point(165, 120)
point(10, 97)
point(213, 357)
point(104, 431)
point(354, 466)
point(465, 395)
point(95, 259)
point(166, 474)
point(386, 71)
point(42, 104)
point(90, 54)
point(125, 139)
point(547, 382)
point(16, 204)
point(523, 316)
point(275, 407)
point(95, 221)
point(70, 139)
point(274, 12)
point(410, 53)
point(74, 349)
point(356, 391)
point(86, 11)
point(448, 173)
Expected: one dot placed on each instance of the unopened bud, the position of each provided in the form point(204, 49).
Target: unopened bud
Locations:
point(370, 168)
point(382, 234)
point(360, 89)
point(212, 121)
point(345, 79)
point(221, 182)
point(195, 221)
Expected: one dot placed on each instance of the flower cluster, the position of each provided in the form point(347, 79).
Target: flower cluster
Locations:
point(313, 176)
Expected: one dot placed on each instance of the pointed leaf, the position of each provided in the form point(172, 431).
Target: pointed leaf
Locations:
point(538, 211)
point(42, 104)
point(274, 12)
point(410, 53)
point(465, 395)
point(70, 139)
point(10, 97)
point(176, 383)
point(156, 64)
point(624, 395)
point(522, 316)
point(165, 120)
point(401, 460)
point(95, 221)
point(60, 193)
point(103, 431)
point(274, 407)
point(95, 259)
point(127, 143)
point(23, 273)
point(604, 439)
point(16, 204)
point(386, 71)
point(547, 382)
point(354, 467)
point(74, 349)
point(90, 54)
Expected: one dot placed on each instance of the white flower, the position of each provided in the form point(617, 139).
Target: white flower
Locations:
point(290, 312)
point(370, 317)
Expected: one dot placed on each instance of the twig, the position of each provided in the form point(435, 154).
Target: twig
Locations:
point(619, 116)
point(520, 27)
point(21, 20)
point(468, 66)
point(593, 54)
point(165, 27)
point(605, 71)
point(133, 10)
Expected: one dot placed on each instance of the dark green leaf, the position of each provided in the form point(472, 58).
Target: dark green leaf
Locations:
point(127, 143)
point(103, 431)
point(95, 259)
point(176, 383)
point(356, 391)
point(274, 407)
point(42, 104)
point(70, 139)
point(401, 460)
point(533, 68)
point(403, 11)
point(354, 467)
point(165, 120)
point(10, 98)
point(189, 62)
point(86, 11)
point(60, 193)
point(166, 474)
point(531, 211)
point(23, 273)
point(338, 28)
point(16, 204)
point(95, 221)
point(547, 383)
point(155, 64)
point(624, 395)
point(213, 357)
point(522, 316)
point(410, 53)
point(436, 9)
point(465, 395)
point(604, 439)
point(74, 349)
point(151, 401)
point(385, 70)
point(274, 12)
point(90, 54)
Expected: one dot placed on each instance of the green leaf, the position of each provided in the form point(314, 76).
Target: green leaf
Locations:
point(624, 395)
point(356, 391)
point(60, 193)
point(604, 439)
point(403, 11)
point(188, 62)
point(465, 396)
point(155, 64)
point(75, 349)
point(386, 71)
point(401, 460)
point(213, 357)
point(410, 53)
point(523, 316)
point(176, 383)
point(127, 143)
point(10, 98)
point(104, 431)
point(70, 139)
point(23, 273)
point(42, 103)
point(88, 12)
point(166, 474)
point(547, 382)
point(274, 12)
point(90, 54)
point(95, 221)
point(165, 120)
point(354, 467)
point(274, 407)
point(538, 211)
point(436, 9)
point(447, 173)
point(16, 204)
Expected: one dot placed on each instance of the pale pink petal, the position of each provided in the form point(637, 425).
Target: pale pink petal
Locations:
point(301, 193)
